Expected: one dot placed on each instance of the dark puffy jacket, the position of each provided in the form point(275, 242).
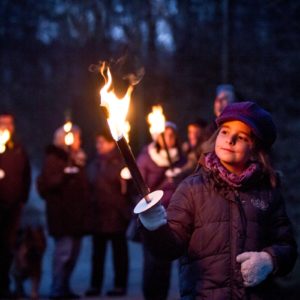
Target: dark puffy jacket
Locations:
point(154, 175)
point(14, 187)
point(67, 195)
point(209, 224)
point(111, 208)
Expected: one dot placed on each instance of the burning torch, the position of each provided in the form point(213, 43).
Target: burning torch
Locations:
point(157, 122)
point(116, 118)
point(69, 140)
point(4, 138)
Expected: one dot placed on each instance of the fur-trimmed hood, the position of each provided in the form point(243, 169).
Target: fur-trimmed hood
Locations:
point(160, 157)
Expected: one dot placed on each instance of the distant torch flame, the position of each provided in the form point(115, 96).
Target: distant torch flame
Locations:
point(117, 108)
point(4, 138)
point(69, 137)
point(156, 120)
point(68, 126)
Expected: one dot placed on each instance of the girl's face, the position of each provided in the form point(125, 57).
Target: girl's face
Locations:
point(234, 146)
point(170, 138)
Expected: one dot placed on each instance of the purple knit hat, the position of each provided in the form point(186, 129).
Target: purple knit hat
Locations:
point(259, 120)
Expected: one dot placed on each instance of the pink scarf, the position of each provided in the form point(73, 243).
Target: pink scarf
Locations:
point(212, 162)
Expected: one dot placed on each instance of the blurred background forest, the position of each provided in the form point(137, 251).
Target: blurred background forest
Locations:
point(186, 47)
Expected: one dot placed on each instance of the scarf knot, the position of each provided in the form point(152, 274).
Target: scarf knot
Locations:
point(212, 162)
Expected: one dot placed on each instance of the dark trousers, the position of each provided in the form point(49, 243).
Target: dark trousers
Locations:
point(66, 252)
point(9, 223)
point(120, 259)
point(156, 277)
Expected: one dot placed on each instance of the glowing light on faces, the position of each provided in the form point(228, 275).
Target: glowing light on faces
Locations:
point(234, 145)
point(170, 138)
point(194, 134)
point(117, 107)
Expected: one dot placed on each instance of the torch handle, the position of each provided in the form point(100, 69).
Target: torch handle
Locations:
point(167, 151)
point(133, 168)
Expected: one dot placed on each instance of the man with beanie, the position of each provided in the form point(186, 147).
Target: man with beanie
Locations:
point(64, 185)
point(225, 94)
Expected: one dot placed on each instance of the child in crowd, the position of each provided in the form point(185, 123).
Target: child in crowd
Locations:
point(153, 163)
point(227, 222)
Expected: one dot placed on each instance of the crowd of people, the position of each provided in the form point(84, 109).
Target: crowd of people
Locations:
point(222, 214)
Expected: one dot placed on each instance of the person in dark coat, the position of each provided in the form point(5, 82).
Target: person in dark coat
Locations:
point(196, 131)
point(228, 221)
point(15, 179)
point(225, 94)
point(154, 166)
point(112, 212)
point(64, 185)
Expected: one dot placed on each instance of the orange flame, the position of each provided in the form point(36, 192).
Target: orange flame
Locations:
point(127, 128)
point(4, 138)
point(117, 108)
point(156, 120)
point(69, 138)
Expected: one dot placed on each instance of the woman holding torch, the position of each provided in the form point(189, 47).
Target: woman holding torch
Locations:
point(227, 222)
point(153, 163)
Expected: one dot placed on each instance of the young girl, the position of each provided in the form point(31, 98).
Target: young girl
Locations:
point(228, 222)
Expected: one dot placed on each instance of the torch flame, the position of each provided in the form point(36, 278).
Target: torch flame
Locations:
point(117, 108)
point(4, 138)
point(156, 120)
point(69, 136)
point(126, 130)
point(68, 126)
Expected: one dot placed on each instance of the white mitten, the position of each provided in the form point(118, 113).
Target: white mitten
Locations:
point(255, 267)
point(154, 217)
point(173, 172)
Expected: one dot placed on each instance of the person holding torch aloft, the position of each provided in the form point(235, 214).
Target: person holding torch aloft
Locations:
point(64, 185)
point(153, 163)
point(15, 179)
point(228, 222)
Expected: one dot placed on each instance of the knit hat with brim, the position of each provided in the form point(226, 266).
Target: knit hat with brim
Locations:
point(258, 119)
